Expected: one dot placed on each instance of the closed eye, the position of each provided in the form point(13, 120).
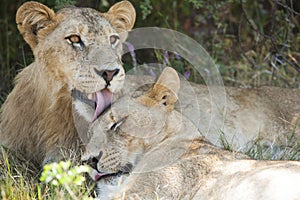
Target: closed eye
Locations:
point(114, 126)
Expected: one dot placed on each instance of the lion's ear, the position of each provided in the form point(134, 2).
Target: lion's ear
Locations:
point(122, 16)
point(164, 92)
point(169, 79)
point(35, 21)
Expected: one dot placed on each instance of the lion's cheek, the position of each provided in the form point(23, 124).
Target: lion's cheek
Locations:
point(55, 66)
point(69, 72)
point(61, 73)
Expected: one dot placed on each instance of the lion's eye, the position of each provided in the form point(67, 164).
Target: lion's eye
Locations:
point(73, 39)
point(114, 40)
point(114, 126)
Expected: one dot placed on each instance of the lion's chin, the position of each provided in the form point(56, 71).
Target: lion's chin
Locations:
point(99, 100)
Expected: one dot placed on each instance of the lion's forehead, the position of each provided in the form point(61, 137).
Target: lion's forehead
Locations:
point(86, 22)
point(133, 114)
point(128, 107)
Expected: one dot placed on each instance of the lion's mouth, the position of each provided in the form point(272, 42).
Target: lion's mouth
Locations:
point(98, 100)
point(99, 175)
point(96, 175)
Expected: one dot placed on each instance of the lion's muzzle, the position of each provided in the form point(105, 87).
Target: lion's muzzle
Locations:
point(107, 75)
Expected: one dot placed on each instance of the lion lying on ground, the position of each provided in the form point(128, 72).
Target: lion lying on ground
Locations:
point(75, 49)
point(240, 115)
point(142, 148)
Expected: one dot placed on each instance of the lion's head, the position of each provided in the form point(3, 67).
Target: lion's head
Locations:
point(79, 47)
point(136, 128)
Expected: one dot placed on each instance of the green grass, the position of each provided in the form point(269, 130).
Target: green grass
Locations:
point(21, 180)
point(264, 150)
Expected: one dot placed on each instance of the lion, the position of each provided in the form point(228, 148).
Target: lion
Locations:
point(240, 117)
point(141, 148)
point(77, 53)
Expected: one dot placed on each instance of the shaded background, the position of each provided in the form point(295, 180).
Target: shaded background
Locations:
point(252, 42)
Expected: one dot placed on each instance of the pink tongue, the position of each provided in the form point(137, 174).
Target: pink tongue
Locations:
point(102, 99)
point(99, 175)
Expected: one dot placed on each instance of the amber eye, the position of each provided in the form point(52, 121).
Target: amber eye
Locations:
point(73, 39)
point(113, 39)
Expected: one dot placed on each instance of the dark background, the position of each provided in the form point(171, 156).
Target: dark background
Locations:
point(253, 42)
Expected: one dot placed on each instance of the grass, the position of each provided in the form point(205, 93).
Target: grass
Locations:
point(259, 149)
point(262, 150)
point(19, 179)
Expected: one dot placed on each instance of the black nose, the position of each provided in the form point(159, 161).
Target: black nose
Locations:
point(107, 74)
point(94, 160)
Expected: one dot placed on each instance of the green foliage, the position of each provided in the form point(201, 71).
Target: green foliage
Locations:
point(197, 3)
point(253, 42)
point(224, 142)
point(146, 8)
point(262, 150)
point(19, 179)
point(62, 174)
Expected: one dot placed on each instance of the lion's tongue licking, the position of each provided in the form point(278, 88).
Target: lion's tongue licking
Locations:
point(103, 99)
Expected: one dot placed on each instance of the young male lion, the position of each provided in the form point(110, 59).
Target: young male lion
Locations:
point(142, 148)
point(75, 49)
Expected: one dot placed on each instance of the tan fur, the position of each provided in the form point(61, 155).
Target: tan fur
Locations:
point(241, 115)
point(172, 160)
point(169, 98)
point(123, 15)
point(36, 117)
